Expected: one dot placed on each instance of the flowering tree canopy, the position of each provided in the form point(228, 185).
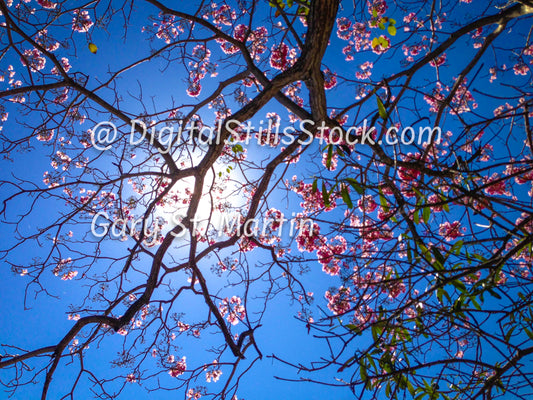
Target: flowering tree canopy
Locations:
point(191, 188)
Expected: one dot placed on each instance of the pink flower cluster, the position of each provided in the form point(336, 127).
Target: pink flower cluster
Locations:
point(33, 59)
point(450, 231)
point(199, 69)
point(221, 15)
point(166, 28)
point(257, 40)
point(366, 70)
point(309, 238)
point(328, 254)
point(313, 200)
point(81, 21)
point(214, 374)
point(282, 57)
point(232, 309)
point(64, 63)
point(339, 302)
point(357, 34)
point(47, 4)
point(462, 101)
point(179, 368)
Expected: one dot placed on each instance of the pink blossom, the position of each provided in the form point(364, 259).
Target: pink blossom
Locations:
point(213, 375)
point(339, 303)
point(178, 369)
point(33, 59)
point(450, 231)
point(313, 200)
point(279, 57)
point(409, 17)
point(47, 4)
point(81, 21)
point(64, 63)
point(409, 174)
point(166, 29)
point(438, 61)
point(496, 186)
point(309, 237)
point(379, 6)
point(122, 331)
point(193, 394)
point(520, 69)
point(343, 28)
point(69, 275)
point(330, 79)
point(367, 204)
point(45, 135)
point(432, 200)
point(233, 308)
point(222, 15)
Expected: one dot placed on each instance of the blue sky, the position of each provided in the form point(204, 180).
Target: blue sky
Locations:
point(45, 322)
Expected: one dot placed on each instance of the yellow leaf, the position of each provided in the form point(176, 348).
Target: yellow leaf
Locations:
point(92, 48)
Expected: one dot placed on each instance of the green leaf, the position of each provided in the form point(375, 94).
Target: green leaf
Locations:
point(353, 328)
point(237, 148)
point(347, 363)
point(387, 388)
point(425, 252)
point(411, 388)
point(392, 30)
point(325, 195)
point(529, 333)
point(346, 196)
point(475, 303)
point(418, 194)
point(383, 202)
point(363, 372)
point(426, 212)
point(456, 248)
point(499, 384)
point(459, 285)
point(376, 331)
point(392, 21)
point(381, 25)
point(315, 185)
point(355, 184)
point(381, 109)
point(402, 382)
point(494, 294)
point(330, 155)
point(509, 334)
point(440, 292)
point(416, 217)
point(438, 256)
